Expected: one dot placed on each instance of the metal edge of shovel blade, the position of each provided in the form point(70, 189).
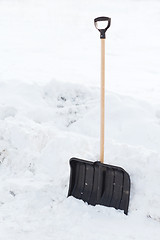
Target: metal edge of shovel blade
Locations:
point(99, 183)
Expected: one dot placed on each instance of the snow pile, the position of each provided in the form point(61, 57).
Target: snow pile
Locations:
point(41, 128)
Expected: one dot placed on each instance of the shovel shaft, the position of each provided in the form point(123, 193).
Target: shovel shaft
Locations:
point(102, 126)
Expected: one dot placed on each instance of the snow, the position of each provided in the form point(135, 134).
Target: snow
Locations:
point(49, 112)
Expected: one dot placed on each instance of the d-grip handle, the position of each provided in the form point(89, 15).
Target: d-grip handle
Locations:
point(107, 20)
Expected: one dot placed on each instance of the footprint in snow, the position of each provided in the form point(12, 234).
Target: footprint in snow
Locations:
point(69, 102)
point(72, 107)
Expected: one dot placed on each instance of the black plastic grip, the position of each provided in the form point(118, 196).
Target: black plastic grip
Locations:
point(102, 31)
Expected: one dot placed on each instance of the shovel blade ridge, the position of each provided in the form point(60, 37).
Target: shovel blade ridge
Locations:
point(98, 183)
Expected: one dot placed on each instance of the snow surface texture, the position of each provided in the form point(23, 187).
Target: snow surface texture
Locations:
point(44, 122)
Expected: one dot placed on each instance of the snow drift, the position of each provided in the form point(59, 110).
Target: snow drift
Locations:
point(41, 128)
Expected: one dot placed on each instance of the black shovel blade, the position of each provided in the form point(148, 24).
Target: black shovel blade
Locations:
point(98, 183)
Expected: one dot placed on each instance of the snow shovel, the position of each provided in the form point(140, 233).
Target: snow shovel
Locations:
point(96, 182)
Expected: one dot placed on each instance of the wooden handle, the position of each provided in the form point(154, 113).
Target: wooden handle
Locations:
point(102, 126)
